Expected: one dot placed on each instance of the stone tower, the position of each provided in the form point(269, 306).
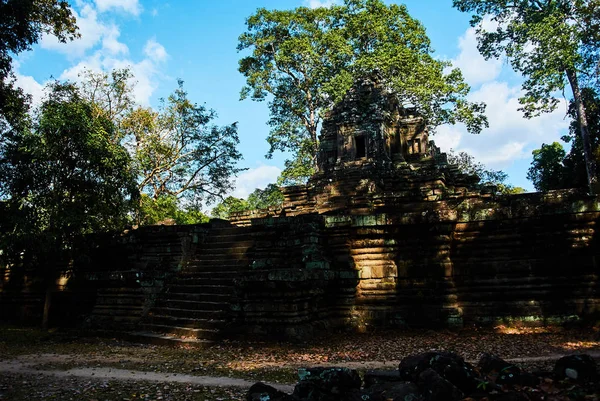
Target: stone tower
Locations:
point(370, 126)
point(375, 155)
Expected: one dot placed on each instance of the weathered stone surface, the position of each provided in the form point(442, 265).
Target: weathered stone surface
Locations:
point(373, 377)
point(397, 391)
point(582, 368)
point(430, 385)
point(331, 380)
point(511, 396)
point(264, 392)
point(361, 395)
point(504, 372)
point(448, 365)
point(435, 388)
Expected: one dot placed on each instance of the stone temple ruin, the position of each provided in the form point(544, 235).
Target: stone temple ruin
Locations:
point(386, 234)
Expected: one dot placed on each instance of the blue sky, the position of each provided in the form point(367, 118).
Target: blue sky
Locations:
point(195, 40)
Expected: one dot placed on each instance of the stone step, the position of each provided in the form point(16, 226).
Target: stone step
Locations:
point(225, 265)
point(238, 251)
point(162, 339)
point(208, 274)
point(109, 310)
point(195, 297)
point(217, 313)
point(182, 331)
point(230, 238)
point(201, 289)
point(190, 323)
point(215, 303)
point(226, 243)
point(99, 320)
point(228, 231)
point(215, 280)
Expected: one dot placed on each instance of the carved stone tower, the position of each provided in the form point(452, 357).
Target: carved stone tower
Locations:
point(369, 126)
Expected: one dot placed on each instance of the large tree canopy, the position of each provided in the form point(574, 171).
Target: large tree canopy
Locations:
point(22, 24)
point(64, 174)
point(304, 60)
point(178, 152)
point(553, 43)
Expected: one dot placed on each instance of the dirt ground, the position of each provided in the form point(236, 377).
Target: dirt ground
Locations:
point(67, 365)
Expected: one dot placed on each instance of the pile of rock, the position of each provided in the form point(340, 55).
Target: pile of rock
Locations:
point(434, 376)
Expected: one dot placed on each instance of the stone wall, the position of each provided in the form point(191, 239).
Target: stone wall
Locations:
point(113, 284)
point(479, 259)
point(528, 258)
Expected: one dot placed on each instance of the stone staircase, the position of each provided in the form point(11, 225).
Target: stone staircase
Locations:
point(194, 306)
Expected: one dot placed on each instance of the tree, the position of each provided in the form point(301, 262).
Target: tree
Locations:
point(547, 170)
point(271, 196)
point(553, 43)
point(165, 208)
point(63, 177)
point(177, 152)
point(231, 204)
point(180, 158)
point(468, 165)
point(110, 93)
point(22, 24)
point(552, 167)
point(574, 162)
point(304, 60)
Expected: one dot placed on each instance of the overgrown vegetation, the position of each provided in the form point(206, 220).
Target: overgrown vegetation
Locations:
point(552, 167)
point(554, 44)
point(304, 60)
point(271, 196)
point(488, 177)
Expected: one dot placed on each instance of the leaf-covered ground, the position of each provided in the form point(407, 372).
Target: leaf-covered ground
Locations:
point(29, 387)
point(250, 360)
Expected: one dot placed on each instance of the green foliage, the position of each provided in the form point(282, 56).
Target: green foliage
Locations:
point(542, 40)
point(547, 170)
point(551, 167)
point(178, 152)
point(271, 196)
point(552, 43)
point(110, 93)
point(229, 205)
point(575, 169)
point(304, 60)
point(165, 208)
point(63, 177)
point(467, 165)
point(22, 23)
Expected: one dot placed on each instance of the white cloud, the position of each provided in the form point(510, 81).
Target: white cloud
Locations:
point(129, 6)
point(32, 87)
point(510, 137)
point(319, 3)
point(253, 178)
point(448, 137)
point(92, 31)
point(110, 42)
point(145, 73)
point(476, 70)
point(155, 50)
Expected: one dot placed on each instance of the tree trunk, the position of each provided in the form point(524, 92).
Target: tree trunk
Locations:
point(47, 303)
point(590, 162)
